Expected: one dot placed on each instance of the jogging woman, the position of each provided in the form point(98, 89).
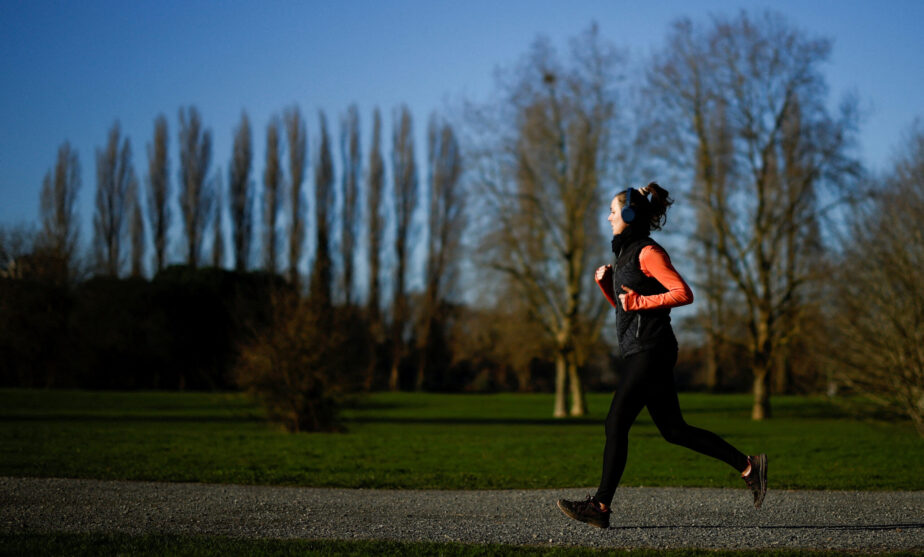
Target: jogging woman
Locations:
point(642, 286)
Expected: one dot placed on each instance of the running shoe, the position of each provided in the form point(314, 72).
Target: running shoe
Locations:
point(757, 478)
point(587, 511)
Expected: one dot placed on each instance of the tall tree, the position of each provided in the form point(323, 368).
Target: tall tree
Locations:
point(240, 192)
point(352, 171)
point(760, 78)
point(137, 234)
point(875, 305)
point(195, 197)
point(272, 196)
point(540, 157)
point(298, 157)
point(114, 176)
point(445, 228)
point(375, 183)
point(218, 239)
point(321, 277)
point(60, 226)
point(158, 191)
point(405, 198)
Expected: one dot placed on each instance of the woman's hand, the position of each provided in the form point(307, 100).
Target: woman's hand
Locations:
point(622, 297)
point(602, 271)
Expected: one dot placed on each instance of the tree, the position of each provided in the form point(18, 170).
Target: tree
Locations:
point(114, 177)
point(742, 103)
point(445, 228)
point(878, 308)
point(137, 234)
point(352, 169)
point(195, 194)
point(320, 286)
point(60, 226)
point(540, 157)
point(218, 240)
point(376, 226)
point(405, 195)
point(272, 196)
point(158, 192)
point(298, 156)
point(240, 190)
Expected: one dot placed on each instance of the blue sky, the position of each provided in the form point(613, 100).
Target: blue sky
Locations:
point(68, 70)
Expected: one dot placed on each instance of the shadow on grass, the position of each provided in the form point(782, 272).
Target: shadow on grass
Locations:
point(151, 418)
point(475, 421)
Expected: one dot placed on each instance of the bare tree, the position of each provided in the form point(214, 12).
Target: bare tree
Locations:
point(60, 226)
point(745, 97)
point(877, 305)
point(158, 191)
point(272, 196)
point(195, 197)
point(298, 157)
point(352, 171)
point(218, 240)
point(136, 232)
point(445, 228)
point(376, 227)
point(405, 195)
point(320, 287)
point(540, 157)
point(114, 176)
point(241, 194)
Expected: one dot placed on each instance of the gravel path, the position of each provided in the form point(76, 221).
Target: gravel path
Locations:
point(642, 517)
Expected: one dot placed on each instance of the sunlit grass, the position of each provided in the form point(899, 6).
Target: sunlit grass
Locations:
point(405, 440)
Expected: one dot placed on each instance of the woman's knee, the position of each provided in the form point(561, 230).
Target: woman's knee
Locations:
point(617, 425)
point(675, 433)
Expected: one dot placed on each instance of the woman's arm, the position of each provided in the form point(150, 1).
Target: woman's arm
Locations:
point(655, 263)
point(604, 280)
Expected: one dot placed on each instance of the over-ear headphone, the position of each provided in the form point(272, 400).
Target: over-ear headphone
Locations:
point(628, 213)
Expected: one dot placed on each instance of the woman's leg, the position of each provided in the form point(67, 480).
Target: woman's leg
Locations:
point(627, 403)
point(665, 411)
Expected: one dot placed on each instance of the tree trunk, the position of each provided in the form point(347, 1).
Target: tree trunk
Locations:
point(578, 402)
point(421, 368)
point(783, 371)
point(712, 364)
point(393, 377)
point(761, 410)
point(561, 375)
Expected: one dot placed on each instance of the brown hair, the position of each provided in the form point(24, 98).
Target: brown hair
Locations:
point(653, 210)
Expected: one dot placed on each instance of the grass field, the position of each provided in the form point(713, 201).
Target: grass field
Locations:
point(403, 440)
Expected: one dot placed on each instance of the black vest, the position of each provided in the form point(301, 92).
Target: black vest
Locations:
point(645, 329)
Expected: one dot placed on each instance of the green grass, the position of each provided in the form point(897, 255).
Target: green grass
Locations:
point(151, 545)
point(405, 440)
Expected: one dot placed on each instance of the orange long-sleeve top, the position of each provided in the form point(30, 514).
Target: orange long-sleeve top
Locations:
point(654, 263)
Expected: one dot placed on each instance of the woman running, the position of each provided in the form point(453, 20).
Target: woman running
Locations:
point(643, 285)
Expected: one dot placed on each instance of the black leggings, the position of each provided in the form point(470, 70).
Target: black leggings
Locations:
point(648, 380)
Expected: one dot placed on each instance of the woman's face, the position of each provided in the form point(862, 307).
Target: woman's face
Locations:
point(615, 218)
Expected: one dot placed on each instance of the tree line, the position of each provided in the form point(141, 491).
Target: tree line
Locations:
point(732, 114)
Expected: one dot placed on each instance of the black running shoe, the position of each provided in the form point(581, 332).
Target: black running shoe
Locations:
point(757, 478)
point(587, 511)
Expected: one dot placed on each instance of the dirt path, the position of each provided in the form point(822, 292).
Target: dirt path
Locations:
point(642, 517)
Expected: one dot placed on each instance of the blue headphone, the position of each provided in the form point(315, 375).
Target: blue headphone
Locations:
point(628, 213)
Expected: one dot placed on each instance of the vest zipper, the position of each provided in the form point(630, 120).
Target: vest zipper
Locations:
point(638, 328)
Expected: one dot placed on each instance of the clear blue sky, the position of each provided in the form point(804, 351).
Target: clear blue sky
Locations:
point(69, 69)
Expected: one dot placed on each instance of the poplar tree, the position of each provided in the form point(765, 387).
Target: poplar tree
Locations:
point(114, 176)
point(195, 196)
point(158, 192)
point(298, 156)
point(272, 196)
point(240, 194)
